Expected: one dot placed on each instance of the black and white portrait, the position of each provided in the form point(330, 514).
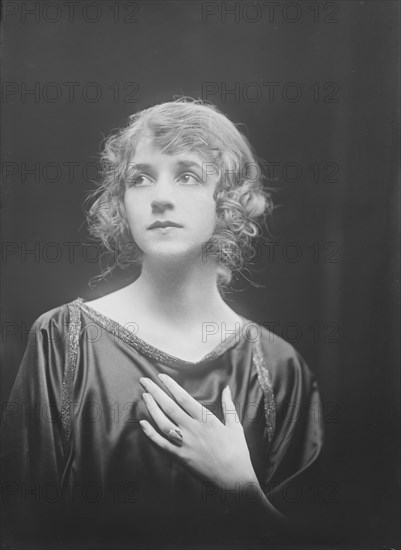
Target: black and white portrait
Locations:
point(199, 253)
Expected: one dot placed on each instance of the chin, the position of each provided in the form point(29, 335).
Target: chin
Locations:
point(166, 252)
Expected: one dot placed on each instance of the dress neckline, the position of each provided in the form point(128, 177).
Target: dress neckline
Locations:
point(120, 331)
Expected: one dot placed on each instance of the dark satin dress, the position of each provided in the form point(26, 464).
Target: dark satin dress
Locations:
point(77, 466)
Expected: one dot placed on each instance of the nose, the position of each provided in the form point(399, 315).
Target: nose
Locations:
point(162, 199)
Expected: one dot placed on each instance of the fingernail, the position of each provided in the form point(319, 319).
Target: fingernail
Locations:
point(144, 382)
point(163, 377)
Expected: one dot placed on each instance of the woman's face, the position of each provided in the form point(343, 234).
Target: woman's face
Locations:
point(169, 202)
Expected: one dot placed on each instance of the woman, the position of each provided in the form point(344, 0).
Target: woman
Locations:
point(161, 415)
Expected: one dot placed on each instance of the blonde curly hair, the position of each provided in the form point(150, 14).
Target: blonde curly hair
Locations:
point(184, 125)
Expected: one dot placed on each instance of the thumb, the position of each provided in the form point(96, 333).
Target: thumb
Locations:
point(230, 414)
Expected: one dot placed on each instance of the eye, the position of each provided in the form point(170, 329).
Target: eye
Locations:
point(188, 178)
point(138, 180)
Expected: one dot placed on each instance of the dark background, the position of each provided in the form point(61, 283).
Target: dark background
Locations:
point(337, 302)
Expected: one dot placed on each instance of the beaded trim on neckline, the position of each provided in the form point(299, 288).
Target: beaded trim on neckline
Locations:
point(118, 330)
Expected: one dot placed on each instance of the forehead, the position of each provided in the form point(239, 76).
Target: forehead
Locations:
point(148, 152)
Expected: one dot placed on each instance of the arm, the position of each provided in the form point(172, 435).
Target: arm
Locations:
point(32, 454)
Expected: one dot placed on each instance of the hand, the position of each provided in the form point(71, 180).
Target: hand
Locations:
point(218, 452)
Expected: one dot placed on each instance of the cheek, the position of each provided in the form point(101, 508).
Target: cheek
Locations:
point(132, 204)
point(205, 212)
point(133, 212)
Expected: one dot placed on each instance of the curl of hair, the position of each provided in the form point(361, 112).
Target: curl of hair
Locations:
point(177, 126)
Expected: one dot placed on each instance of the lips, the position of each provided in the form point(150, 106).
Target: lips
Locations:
point(164, 223)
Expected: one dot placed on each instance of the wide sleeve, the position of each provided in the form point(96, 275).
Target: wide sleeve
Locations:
point(32, 454)
point(294, 417)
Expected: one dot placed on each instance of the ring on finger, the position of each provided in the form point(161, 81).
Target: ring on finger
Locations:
point(175, 434)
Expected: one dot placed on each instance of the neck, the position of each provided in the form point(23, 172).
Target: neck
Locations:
point(182, 292)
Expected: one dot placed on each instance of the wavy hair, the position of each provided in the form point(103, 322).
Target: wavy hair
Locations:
point(177, 126)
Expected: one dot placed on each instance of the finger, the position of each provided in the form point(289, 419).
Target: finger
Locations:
point(183, 398)
point(159, 440)
point(168, 405)
point(229, 411)
point(163, 423)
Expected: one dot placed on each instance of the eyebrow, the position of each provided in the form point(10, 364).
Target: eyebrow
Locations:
point(183, 164)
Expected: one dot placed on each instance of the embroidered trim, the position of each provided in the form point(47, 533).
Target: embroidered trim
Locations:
point(71, 355)
point(266, 384)
point(121, 332)
point(115, 328)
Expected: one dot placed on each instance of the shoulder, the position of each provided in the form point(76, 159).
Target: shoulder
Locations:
point(291, 380)
point(273, 346)
point(42, 365)
point(282, 360)
point(56, 318)
point(114, 305)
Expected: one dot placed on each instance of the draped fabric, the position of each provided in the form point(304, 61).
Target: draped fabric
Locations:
point(77, 466)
